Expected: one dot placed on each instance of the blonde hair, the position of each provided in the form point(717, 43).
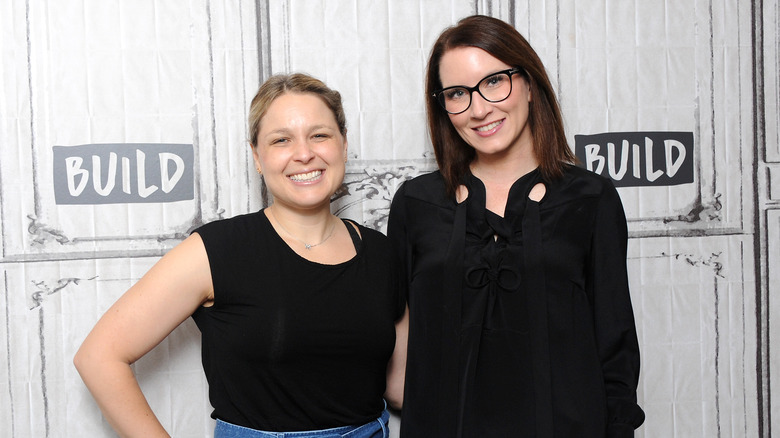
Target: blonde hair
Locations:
point(280, 84)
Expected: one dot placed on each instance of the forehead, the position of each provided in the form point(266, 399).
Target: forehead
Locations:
point(467, 66)
point(297, 109)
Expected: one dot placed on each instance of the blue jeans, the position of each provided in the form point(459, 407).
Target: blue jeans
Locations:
point(375, 429)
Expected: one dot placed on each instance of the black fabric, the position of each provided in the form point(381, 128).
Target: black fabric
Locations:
point(290, 344)
point(529, 333)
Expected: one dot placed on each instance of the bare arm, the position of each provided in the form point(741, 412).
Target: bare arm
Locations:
point(150, 310)
point(396, 368)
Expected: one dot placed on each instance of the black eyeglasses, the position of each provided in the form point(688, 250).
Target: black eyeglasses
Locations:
point(493, 88)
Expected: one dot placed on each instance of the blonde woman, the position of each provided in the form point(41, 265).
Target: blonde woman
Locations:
point(299, 309)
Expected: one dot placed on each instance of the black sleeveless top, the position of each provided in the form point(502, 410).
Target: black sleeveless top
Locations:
point(290, 344)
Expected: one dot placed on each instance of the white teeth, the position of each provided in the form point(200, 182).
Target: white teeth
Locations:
point(302, 177)
point(488, 127)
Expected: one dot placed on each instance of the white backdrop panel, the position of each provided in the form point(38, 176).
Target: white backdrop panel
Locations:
point(91, 72)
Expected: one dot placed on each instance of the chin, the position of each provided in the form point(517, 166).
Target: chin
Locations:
point(492, 150)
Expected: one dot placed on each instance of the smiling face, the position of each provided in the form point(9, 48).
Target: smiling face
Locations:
point(300, 151)
point(493, 129)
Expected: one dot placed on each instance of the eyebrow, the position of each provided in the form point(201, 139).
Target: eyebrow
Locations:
point(316, 127)
point(313, 128)
point(484, 77)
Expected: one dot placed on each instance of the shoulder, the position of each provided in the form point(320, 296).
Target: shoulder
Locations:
point(579, 182)
point(225, 233)
point(239, 222)
point(426, 182)
point(576, 185)
point(584, 176)
point(428, 188)
point(376, 246)
point(431, 179)
point(370, 235)
point(364, 230)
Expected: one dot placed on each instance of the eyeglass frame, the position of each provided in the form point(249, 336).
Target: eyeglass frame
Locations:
point(471, 90)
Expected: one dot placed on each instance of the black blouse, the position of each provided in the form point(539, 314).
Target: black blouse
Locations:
point(496, 359)
point(521, 325)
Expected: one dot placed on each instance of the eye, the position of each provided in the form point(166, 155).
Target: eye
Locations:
point(495, 80)
point(281, 141)
point(454, 93)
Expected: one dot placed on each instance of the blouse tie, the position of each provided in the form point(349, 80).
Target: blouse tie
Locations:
point(503, 275)
point(499, 274)
point(495, 271)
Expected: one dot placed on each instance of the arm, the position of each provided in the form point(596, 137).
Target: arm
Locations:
point(396, 368)
point(150, 310)
point(616, 336)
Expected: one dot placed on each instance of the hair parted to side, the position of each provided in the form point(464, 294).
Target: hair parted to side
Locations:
point(280, 84)
point(504, 42)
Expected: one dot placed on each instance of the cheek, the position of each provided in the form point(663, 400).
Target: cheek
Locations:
point(455, 119)
point(460, 124)
point(272, 162)
point(262, 159)
point(517, 107)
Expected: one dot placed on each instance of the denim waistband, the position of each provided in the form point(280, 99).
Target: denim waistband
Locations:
point(374, 429)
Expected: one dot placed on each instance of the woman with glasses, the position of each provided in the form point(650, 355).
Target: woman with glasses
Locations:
point(298, 309)
point(514, 259)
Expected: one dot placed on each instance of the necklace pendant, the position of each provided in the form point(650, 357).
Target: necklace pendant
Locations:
point(307, 246)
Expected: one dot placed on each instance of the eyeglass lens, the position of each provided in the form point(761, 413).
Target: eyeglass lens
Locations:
point(493, 88)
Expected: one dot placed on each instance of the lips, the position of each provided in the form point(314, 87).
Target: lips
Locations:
point(489, 126)
point(306, 177)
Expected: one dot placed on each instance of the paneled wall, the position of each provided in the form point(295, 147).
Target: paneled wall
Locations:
point(128, 75)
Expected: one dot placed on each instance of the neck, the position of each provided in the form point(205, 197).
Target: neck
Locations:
point(503, 169)
point(507, 165)
point(311, 227)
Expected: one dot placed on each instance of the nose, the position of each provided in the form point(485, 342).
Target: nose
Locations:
point(479, 106)
point(303, 152)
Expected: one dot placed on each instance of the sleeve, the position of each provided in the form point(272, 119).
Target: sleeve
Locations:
point(398, 287)
point(206, 231)
point(228, 260)
point(616, 336)
point(396, 232)
point(214, 237)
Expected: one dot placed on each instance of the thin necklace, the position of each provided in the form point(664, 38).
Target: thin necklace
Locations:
point(308, 246)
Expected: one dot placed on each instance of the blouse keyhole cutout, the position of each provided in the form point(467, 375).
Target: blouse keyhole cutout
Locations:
point(538, 192)
point(461, 193)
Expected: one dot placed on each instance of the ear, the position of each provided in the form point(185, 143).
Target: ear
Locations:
point(346, 149)
point(530, 97)
point(255, 156)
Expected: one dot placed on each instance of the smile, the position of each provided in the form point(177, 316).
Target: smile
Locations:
point(489, 126)
point(306, 177)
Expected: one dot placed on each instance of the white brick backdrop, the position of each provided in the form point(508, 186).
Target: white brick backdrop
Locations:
point(79, 72)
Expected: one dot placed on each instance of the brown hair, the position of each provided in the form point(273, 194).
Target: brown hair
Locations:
point(505, 43)
point(280, 84)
